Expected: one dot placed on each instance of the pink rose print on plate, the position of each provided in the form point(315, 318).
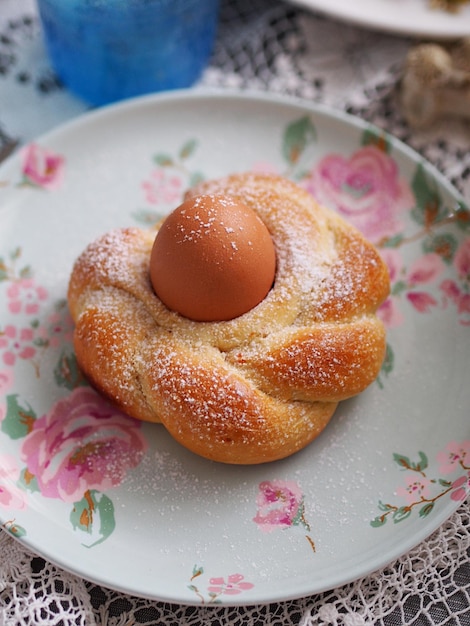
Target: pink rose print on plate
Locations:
point(6, 383)
point(390, 312)
point(42, 168)
point(412, 283)
point(11, 496)
point(29, 340)
point(81, 444)
point(417, 487)
point(16, 343)
point(24, 296)
point(281, 505)
point(264, 167)
point(234, 585)
point(461, 488)
point(58, 327)
point(456, 455)
point(162, 188)
point(366, 189)
point(462, 260)
point(459, 294)
point(425, 270)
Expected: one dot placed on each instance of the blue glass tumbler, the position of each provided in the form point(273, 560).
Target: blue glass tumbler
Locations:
point(108, 50)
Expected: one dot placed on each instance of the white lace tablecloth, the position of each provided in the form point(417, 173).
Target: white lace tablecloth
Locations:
point(262, 45)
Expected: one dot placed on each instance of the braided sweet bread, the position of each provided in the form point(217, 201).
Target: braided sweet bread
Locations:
point(255, 388)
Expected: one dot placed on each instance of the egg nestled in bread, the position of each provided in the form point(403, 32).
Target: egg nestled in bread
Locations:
point(213, 259)
point(250, 386)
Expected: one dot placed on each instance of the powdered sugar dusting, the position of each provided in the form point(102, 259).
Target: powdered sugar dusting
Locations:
point(237, 389)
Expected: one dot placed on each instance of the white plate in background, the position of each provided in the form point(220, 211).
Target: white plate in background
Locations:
point(414, 18)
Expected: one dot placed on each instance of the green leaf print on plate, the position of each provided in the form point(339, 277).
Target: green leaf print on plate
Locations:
point(420, 491)
point(92, 507)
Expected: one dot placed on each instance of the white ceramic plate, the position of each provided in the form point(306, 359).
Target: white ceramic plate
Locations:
point(121, 503)
point(413, 18)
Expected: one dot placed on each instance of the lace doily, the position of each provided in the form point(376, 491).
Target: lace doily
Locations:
point(262, 45)
point(432, 583)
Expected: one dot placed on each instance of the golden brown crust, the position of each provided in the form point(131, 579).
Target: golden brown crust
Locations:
point(261, 386)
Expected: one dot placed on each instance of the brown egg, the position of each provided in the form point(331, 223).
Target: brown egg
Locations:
point(213, 259)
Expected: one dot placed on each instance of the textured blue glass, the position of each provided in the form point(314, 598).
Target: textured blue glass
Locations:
point(107, 50)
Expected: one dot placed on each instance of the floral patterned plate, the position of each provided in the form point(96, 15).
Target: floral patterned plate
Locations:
point(121, 503)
